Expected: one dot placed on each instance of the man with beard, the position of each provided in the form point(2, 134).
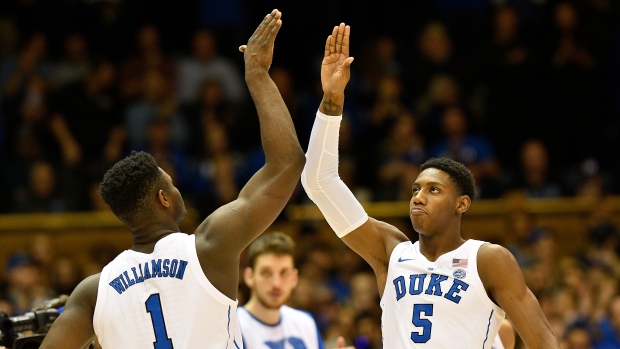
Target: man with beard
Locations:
point(265, 321)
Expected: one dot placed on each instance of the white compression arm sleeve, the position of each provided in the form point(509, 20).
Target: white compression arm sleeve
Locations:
point(322, 183)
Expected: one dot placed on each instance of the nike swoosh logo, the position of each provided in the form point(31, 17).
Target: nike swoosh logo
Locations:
point(400, 259)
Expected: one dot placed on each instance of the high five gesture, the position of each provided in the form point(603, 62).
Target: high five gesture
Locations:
point(335, 70)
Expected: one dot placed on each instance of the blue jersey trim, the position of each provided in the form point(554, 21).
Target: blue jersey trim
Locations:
point(264, 323)
point(488, 327)
point(320, 338)
point(228, 328)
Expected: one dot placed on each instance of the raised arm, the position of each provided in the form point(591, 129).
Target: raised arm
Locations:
point(503, 280)
point(231, 228)
point(371, 239)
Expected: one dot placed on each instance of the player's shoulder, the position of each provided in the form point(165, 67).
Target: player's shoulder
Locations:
point(287, 311)
point(86, 291)
point(494, 259)
point(492, 251)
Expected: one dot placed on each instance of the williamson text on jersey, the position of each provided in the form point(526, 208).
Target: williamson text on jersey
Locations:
point(158, 268)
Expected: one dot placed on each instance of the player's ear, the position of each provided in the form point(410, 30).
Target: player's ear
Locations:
point(463, 203)
point(163, 199)
point(248, 274)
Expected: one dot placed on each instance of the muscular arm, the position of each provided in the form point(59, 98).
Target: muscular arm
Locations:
point(371, 239)
point(73, 329)
point(504, 282)
point(231, 228)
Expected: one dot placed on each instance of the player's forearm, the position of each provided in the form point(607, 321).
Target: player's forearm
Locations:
point(332, 104)
point(320, 177)
point(278, 135)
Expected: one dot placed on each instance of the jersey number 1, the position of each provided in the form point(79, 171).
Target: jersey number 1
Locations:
point(153, 306)
point(425, 335)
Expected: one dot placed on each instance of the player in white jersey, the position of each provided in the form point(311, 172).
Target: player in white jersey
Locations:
point(266, 322)
point(173, 290)
point(442, 291)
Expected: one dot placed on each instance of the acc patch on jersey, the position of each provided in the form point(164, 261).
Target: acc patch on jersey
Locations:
point(459, 274)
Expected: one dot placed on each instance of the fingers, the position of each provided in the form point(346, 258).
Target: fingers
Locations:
point(273, 21)
point(339, 38)
point(265, 24)
point(345, 40)
point(274, 30)
point(329, 43)
point(332, 44)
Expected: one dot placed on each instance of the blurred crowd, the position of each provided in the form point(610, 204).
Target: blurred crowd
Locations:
point(526, 93)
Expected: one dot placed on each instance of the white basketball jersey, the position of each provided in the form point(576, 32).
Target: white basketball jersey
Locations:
point(439, 305)
point(163, 300)
point(296, 330)
point(497, 344)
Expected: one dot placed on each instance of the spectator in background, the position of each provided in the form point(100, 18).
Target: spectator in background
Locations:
point(535, 178)
point(379, 60)
point(25, 288)
point(42, 194)
point(387, 105)
point(212, 107)
point(434, 55)
point(443, 91)
point(402, 153)
point(75, 64)
point(31, 60)
point(157, 101)
point(519, 225)
point(574, 91)
point(171, 157)
point(459, 143)
point(607, 331)
point(87, 127)
point(65, 274)
point(216, 173)
point(205, 63)
point(513, 81)
point(148, 56)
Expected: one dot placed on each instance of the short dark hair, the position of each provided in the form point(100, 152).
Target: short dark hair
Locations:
point(459, 174)
point(276, 243)
point(129, 187)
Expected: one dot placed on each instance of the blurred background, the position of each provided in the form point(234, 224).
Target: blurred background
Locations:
point(526, 93)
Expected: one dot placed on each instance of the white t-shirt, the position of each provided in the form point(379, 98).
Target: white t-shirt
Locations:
point(295, 330)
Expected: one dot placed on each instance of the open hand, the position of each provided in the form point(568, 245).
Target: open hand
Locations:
point(335, 70)
point(258, 53)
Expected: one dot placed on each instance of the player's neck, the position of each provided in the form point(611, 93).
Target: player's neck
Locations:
point(432, 247)
point(144, 240)
point(264, 314)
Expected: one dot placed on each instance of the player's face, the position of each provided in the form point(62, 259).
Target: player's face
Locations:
point(434, 201)
point(180, 212)
point(273, 279)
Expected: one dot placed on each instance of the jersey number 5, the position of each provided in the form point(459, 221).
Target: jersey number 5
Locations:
point(153, 306)
point(425, 324)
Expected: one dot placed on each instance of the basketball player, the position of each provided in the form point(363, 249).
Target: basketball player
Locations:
point(266, 322)
point(442, 291)
point(173, 290)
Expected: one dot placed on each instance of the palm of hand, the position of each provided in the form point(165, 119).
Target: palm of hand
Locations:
point(333, 77)
point(335, 70)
